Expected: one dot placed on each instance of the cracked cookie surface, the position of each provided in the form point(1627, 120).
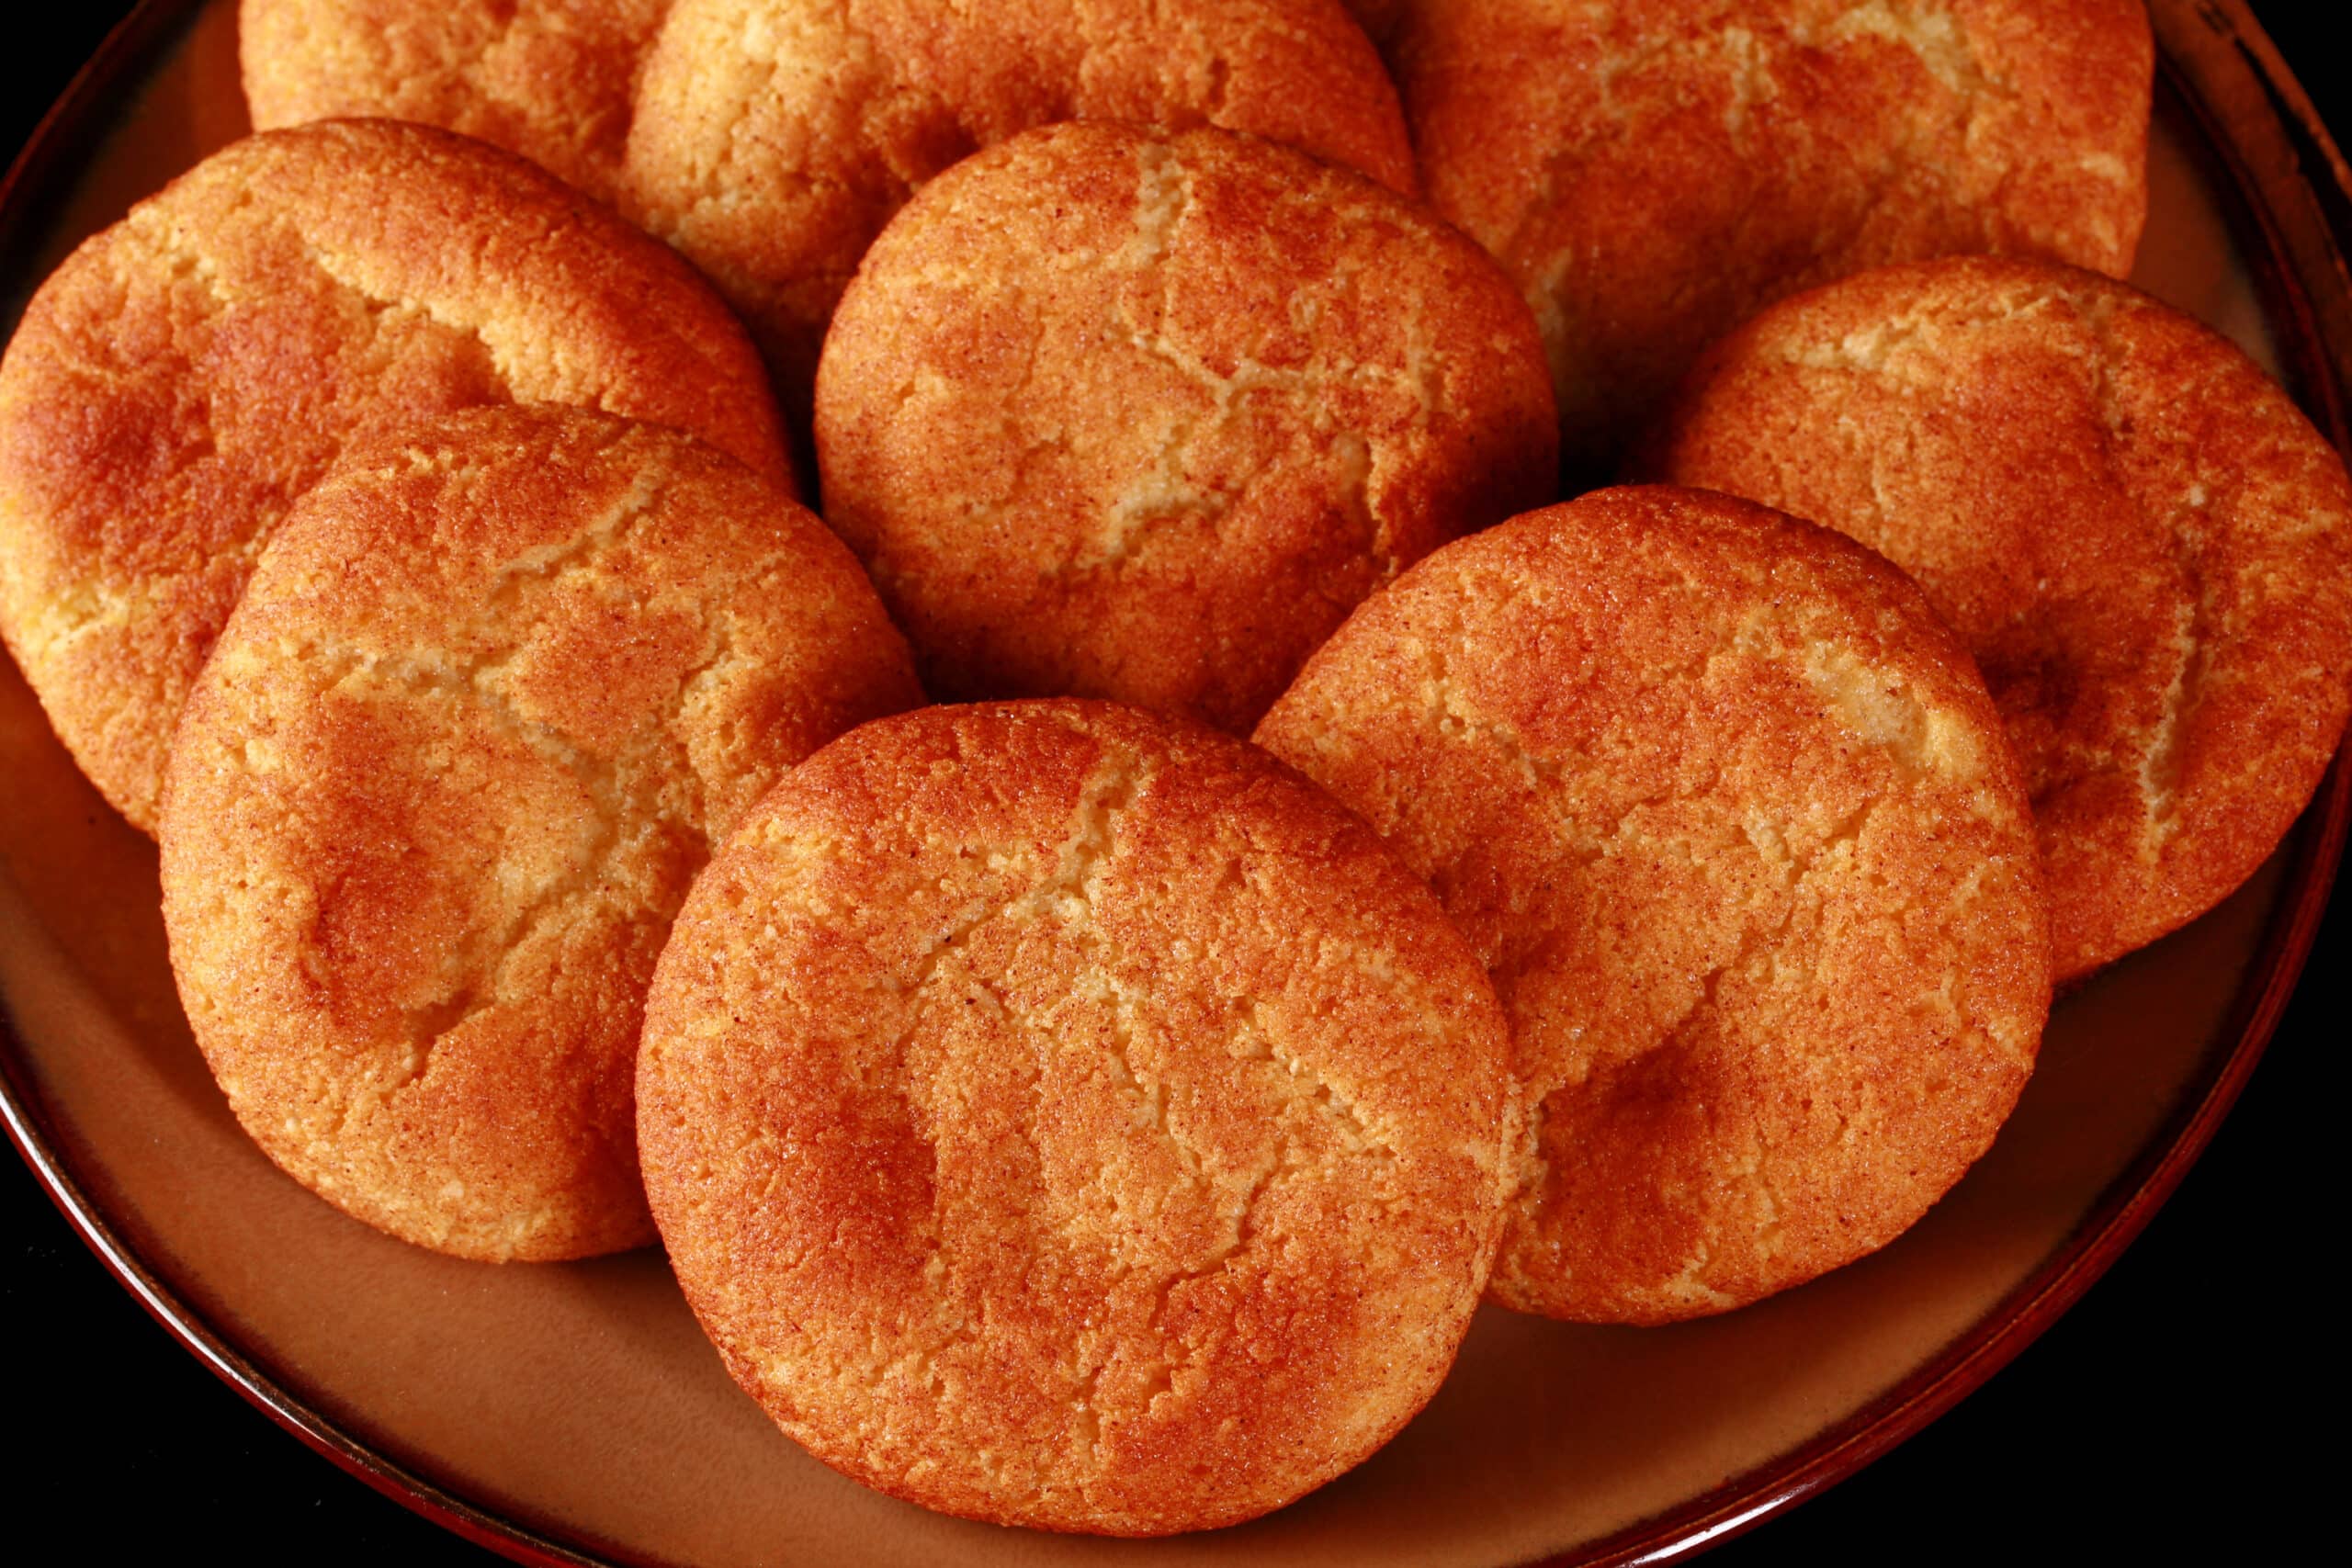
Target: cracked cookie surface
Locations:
point(1069, 1117)
point(496, 689)
point(1130, 416)
point(775, 137)
point(2145, 543)
point(1730, 817)
point(1651, 172)
point(188, 373)
point(552, 80)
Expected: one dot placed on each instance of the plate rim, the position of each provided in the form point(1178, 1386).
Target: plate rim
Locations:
point(2293, 195)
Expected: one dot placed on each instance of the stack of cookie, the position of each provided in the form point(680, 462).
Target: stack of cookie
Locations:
point(1059, 1108)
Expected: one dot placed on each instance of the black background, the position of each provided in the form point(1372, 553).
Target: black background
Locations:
point(2171, 1413)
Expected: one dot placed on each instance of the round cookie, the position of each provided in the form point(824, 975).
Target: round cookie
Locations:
point(496, 689)
point(552, 80)
point(1730, 817)
point(1651, 172)
point(188, 373)
point(1069, 1117)
point(775, 137)
point(1127, 414)
point(2145, 546)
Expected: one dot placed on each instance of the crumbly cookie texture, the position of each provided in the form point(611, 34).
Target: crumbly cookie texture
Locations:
point(1069, 1117)
point(189, 372)
point(775, 137)
point(1129, 414)
point(2145, 543)
point(552, 80)
point(495, 689)
point(1652, 172)
point(1730, 817)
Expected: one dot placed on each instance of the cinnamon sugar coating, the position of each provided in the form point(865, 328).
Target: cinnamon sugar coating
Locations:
point(1069, 1117)
point(1651, 172)
point(552, 80)
point(1733, 823)
point(496, 688)
point(1142, 416)
point(775, 137)
point(2145, 546)
point(189, 372)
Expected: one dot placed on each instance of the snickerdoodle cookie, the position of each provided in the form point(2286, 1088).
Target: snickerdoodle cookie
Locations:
point(1652, 171)
point(2145, 546)
point(188, 373)
point(775, 137)
point(1122, 413)
point(496, 688)
point(1069, 1117)
point(553, 80)
point(1732, 821)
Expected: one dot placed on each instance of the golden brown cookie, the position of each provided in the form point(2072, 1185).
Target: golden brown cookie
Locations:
point(1069, 1117)
point(1135, 416)
point(190, 371)
point(1652, 171)
point(553, 80)
point(497, 687)
point(1729, 815)
point(2145, 546)
point(775, 137)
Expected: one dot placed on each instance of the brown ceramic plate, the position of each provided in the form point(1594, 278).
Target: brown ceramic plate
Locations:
point(573, 1413)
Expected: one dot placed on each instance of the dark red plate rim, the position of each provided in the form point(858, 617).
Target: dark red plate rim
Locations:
point(2294, 221)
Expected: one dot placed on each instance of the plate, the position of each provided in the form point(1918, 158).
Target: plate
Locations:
point(574, 1412)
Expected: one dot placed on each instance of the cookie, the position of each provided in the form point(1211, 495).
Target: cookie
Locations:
point(1729, 815)
point(1127, 414)
point(188, 373)
point(775, 137)
point(2145, 546)
point(1652, 172)
point(1069, 1117)
point(496, 688)
point(553, 80)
